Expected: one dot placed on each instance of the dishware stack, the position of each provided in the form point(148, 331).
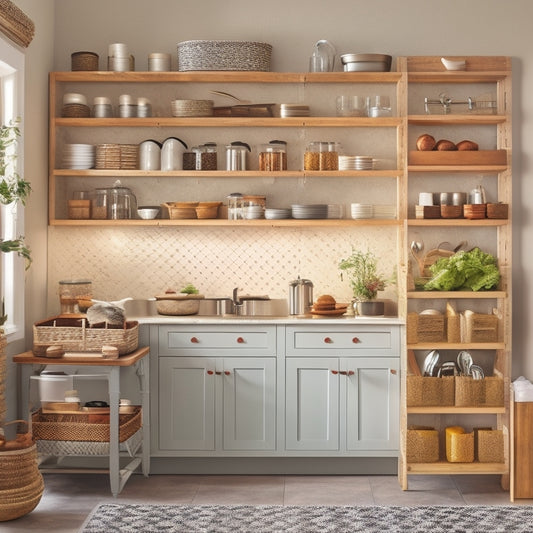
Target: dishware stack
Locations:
point(336, 211)
point(294, 110)
point(384, 211)
point(192, 108)
point(119, 58)
point(310, 211)
point(277, 213)
point(362, 211)
point(78, 156)
point(253, 212)
point(75, 106)
point(356, 162)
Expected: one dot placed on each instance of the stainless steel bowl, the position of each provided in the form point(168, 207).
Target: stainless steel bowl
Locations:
point(366, 62)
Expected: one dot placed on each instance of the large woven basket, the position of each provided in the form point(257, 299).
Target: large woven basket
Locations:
point(75, 335)
point(224, 55)
point(78, 428)
point(21, 483)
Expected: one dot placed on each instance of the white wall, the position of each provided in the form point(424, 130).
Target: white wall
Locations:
point(407, 27)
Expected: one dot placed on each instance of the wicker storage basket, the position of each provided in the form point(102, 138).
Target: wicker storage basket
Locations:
point(75, 335)
point(21, 483)
point(224, 55)
point(486, 392)
point(84, 61)
point(425, 328)
point(76, 427)
point(459, 445)
point(477, 327)
point(422, 445)
point(423, 391)
point(489, 445)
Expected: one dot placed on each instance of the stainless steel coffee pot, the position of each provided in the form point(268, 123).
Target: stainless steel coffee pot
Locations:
point(300, 296)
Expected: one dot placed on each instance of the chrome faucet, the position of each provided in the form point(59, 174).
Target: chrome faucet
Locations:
point(237, 303)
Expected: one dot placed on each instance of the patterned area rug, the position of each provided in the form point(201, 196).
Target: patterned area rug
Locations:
point(134, 518)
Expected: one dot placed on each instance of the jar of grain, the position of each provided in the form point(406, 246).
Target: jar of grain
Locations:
point(206, 156)
point(329, 156)
point(312, 155)
point(273, 156)
point(99, 204)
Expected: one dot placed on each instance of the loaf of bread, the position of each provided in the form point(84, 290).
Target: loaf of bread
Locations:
point(467, 145)
point(425, 142)
point(445, 146)
point(325, 302)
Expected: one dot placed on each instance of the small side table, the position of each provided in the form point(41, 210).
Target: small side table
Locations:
point(109, 369)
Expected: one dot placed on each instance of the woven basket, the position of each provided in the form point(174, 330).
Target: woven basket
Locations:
point(21, 483)
point(75, 335)
point(84, 61)
point(224, 55)
point(422, 445)
point(78, 428)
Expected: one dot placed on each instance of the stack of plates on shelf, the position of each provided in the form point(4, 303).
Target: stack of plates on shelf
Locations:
point(192, 108)
point(362, 211)
point(311, 211)
point(384, 211)
point(277, 214)
point(78, 156)
point(356, 162)
point(294, 110)
point(253, 212)
point(336, 211)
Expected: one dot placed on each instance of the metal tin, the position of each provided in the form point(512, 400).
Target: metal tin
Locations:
point(300, 296)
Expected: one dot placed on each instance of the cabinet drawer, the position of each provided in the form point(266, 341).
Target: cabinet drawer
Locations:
point(217, 340)
point(358, 340)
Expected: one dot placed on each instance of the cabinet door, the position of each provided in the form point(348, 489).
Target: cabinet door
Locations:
point(186, 403)
point(312, 404)
point(249, 403)
point(372, 403)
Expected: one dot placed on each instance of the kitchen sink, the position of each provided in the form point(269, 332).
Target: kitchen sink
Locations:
point(221, 307)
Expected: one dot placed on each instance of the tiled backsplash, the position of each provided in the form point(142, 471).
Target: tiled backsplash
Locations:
point(141, 262)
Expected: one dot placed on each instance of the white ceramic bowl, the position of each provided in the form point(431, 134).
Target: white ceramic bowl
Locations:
point(148, 212)
point(74, 98)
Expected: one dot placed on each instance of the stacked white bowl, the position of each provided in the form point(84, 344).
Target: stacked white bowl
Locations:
point(78, 156)
point(362, 211)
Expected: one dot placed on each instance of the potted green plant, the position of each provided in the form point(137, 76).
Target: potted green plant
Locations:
point(365, 281)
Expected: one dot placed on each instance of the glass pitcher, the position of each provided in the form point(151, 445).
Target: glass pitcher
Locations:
point(323, 57)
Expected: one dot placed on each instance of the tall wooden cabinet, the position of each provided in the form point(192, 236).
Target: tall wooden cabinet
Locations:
point(489, 80)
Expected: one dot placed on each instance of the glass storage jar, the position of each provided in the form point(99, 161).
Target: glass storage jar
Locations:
point(329, 156)
point(73, 293)
point(312, 155)
point(273, 156)
point(235, 206)
point(99, 204)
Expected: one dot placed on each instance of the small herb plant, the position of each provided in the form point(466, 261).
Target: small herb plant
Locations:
point(362, 271)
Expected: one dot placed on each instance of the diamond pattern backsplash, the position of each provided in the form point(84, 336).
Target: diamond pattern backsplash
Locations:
point(141, 262)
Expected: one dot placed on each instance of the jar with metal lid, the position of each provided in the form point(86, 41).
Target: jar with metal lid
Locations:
point(102, 107)
point(329, 156)
point(235, 206)
point(71, 292)
point(126, 107)
point(144, 107)
point(273, 156)
point(206, 156)
point(236, 155)
point(312, 155)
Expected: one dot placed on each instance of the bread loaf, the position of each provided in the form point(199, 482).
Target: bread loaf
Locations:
point(325, 302)
point(425, 142)
point(445, 146)
point(467, 145)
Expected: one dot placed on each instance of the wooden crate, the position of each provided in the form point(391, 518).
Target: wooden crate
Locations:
point(465, 157)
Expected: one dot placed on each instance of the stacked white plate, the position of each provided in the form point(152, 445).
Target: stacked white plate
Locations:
point(356, 162)
point(192, 108)
point(311, 211)
point(362, 211)
point(336, 211)
point(253, 212)
point(384, 211)
point(78, 156)
point(294, 110)
point(277, 214)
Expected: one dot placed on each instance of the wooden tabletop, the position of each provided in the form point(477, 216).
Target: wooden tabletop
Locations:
point(82, 359)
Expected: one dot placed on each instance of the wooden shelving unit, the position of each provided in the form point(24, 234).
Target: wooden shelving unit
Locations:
point(428, 74)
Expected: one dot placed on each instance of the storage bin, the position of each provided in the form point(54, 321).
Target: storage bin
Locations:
point(422, 445)
point(489, 445)
point(425, 391)
point(486, 392)
point(477, 327)
point(459, 445)
point(224, 55)
point(425, 328)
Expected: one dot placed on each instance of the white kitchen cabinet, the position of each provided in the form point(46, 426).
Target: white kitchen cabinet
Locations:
point(212, 403)
point(349, 405)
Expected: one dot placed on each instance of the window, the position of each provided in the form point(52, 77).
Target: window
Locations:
point(12, 216)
